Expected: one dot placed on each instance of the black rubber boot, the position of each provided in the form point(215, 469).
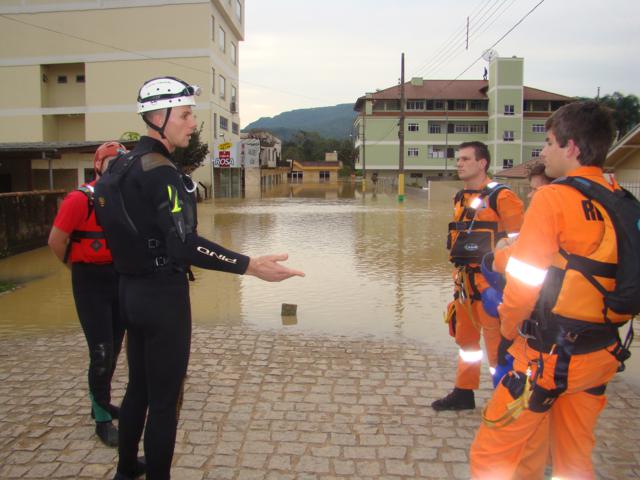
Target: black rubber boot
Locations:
point(459, 399)
point(107, 433)
point(113, 411)
point(139, 470)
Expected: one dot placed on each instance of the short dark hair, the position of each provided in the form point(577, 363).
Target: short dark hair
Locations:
point(480, 150)
point(537, 170)
point(589, 124)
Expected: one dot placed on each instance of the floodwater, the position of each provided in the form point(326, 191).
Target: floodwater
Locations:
point(374, 266)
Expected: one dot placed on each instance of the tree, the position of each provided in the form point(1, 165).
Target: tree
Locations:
point(192, 156)
point(626, 111)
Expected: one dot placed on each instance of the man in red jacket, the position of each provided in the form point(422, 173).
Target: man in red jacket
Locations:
point(78, 241)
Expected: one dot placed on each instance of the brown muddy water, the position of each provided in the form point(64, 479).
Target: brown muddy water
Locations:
point(374, 267)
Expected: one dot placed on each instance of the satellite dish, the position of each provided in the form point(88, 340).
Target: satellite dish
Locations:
point(489, 55)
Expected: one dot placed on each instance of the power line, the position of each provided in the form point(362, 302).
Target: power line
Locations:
point(475, 31)
point(476, 61)
point(443, 49)
point(495, 43)
point(493, 12)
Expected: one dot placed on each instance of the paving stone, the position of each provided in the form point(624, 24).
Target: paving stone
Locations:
point(311, 464)
point(42, 470)
point(275, 405)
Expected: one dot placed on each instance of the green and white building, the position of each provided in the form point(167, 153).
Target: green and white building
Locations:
point(440, 114)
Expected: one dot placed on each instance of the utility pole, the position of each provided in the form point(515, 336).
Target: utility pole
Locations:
point(446, 138)
point(364, 154)
point(401, 134)
point(467, 42)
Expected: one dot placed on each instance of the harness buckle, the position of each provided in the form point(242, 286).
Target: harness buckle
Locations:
point(153, 243)
point(571, 337)
point(160, 261)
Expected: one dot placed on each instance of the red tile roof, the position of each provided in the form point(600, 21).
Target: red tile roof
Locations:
point(519, 171)
point(454, 90)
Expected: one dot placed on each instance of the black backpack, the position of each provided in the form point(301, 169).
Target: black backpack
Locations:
point(624, 210)
point(129, 249)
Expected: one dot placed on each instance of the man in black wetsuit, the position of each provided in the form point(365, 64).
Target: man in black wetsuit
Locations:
point(148, 215)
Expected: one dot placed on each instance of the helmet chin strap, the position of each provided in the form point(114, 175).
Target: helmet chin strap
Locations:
point(160, 130)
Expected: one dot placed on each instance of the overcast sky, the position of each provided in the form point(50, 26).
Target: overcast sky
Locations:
point(300, 54)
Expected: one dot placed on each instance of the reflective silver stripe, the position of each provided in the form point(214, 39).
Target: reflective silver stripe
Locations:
point(526, 273)
point(475, 203)
point(471, 356)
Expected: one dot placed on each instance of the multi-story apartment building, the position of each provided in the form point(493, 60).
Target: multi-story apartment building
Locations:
point(440, 114)
point(70, 71)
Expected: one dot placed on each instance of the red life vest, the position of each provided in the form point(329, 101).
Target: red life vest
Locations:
point(87, 243)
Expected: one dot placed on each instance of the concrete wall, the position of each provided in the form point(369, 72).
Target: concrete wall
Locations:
point(26, 219)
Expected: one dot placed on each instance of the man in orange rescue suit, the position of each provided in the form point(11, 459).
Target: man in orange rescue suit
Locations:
point(78, 240)
point(563, 339)
point(484, 213)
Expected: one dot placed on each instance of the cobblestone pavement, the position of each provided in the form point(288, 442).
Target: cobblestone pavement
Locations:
point(273, 405)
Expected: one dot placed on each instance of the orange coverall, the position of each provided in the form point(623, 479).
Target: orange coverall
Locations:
point(471, 319)
point(556, 219)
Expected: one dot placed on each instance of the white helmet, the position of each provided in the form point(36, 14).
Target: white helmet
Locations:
point(166, 92)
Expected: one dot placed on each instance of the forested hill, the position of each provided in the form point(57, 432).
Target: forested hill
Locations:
point(330, 122)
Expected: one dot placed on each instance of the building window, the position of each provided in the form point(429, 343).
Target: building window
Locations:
point(45, 79)
point(79, 78)
point(222, 87)
point(509, 109)
point(415, 105)
point(325, 175)
point(536, 153)
point(62, 79)
point(538, 128)
point(435, 104)
point(436, 152)
point(239, 10)
point(213, 28)
point(507, 163)
point(413, 152)
point(224, 123)
point(234, 99)
point(539, 106)
point(234, 128)
point(460, 105)
point(295, 176)
point(234, 53)
point(213, 80)
point(415, 175)
point(478, 105)
point(435, 128)
point(469, 128)
point(508, 135)
point(413, 127)
point(222, 43)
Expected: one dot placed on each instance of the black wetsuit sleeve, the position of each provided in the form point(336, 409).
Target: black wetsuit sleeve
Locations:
point(163, 186)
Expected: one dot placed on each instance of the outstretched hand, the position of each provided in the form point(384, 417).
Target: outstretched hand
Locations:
point(267, 268)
